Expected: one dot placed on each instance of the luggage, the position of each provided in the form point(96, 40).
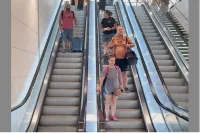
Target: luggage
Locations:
point(77, 43)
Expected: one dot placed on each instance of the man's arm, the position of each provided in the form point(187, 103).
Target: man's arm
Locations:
point(75, 20)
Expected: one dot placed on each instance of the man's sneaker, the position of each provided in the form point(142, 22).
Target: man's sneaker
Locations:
point(114, 118)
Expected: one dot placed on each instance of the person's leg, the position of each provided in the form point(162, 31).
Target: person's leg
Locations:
point(70, 34)
point(125, 79)
point(124, 74)
point(64, 40)
point(107, 105)
point(105, 47)
point(113, 105)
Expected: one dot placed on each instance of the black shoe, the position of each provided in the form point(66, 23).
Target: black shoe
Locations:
point(126, 89)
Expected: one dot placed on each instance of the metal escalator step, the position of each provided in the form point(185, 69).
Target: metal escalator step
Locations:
point(129, 96)
point(125, 130)
point(151, 34)
point(147, 27)
point(160, 52)
point(128, 113)
point(127, 104)
point(162, 57)
point(66, 78)
point(125, 124)
point(67, 71)
point(170, 74)
point(130, 80)
point(174, 82)
point(167, 68)
point(62, 101)
point(63, 92)
point(149, 31)
point(68, 65)
point(180, 97)
point(146, 24)
point(64, 85)
point(153, 38)
point(57, 129)
point(60, 110)
point(164, 62)
point(70, 55)
point(155, 42)
point(178, 89)
point(58, 120)
point(157, 47)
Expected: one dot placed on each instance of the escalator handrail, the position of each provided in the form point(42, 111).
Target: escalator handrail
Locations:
point(149, 79)
point(38, 66)
point(83, 100)
point(156, 65)
point(166, 14)
point(149, 127)
point(182, 59)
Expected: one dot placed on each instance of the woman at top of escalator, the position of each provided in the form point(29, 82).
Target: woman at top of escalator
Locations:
point(120, 43)
point(108, 26)
point(113, 81)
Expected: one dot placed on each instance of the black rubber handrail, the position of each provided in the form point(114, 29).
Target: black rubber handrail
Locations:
point(38, 66)
point(148, 76)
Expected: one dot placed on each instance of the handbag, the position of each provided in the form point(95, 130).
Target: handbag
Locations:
point(117, 92)
point(131, 57)
point(110, 51)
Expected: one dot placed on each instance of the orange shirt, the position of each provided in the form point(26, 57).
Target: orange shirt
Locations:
point(120, 46)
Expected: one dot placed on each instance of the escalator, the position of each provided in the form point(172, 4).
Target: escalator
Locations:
point(178, 25)
point(177, 85)
point(61, 107)
point(128, 112)
point(177, 32)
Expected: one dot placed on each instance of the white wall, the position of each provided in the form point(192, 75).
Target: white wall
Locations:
point(24, 41)
point(183, 7)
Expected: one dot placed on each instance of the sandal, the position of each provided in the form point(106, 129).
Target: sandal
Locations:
point(107, 119)
point(126, 90)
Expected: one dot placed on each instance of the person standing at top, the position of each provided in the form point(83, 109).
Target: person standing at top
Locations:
point(80, 5)
point(108, 26)
point(66, 24)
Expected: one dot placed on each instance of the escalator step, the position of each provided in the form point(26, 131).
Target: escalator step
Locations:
point(61, 110)
point(63, 92)
point(57, 129)
point(58, 120)
point(66, 78)
point(64, 85)
point(125, 124)
point(62, 101)
point(67, 71)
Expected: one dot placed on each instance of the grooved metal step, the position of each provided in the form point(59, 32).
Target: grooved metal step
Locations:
point(60, 111)
point(128, 109)
point(172, 77)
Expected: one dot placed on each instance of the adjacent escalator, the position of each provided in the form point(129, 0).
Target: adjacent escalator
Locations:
point(61, 107)
point(177, 85)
